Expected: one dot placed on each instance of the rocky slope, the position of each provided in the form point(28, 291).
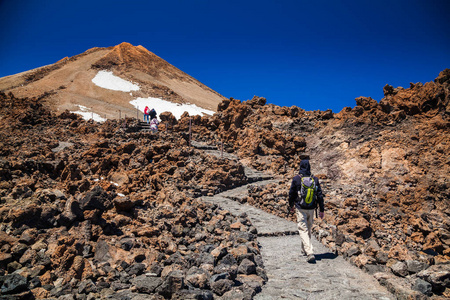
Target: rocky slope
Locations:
point(103, 210)
point(67, 83)
point(385, 171)
point(99, 209)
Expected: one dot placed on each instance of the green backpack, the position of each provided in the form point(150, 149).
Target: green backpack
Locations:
point(307, 193)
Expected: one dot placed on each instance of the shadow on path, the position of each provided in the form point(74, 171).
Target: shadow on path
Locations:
point(328, 255)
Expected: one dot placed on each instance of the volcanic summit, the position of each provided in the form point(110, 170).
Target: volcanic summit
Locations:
point(68, 84)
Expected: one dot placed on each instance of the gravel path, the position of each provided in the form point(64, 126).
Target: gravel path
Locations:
point(290, 276)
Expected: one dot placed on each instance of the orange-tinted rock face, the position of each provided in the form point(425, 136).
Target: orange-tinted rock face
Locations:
point(84, 201)
point(390, 158)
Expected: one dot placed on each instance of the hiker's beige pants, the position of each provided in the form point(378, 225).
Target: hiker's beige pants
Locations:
point(305, 219)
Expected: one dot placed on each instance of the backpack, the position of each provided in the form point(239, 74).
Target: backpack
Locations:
point(307, 193)
point(154, 124)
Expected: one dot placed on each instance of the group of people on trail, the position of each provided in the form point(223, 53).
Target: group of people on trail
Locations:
point(150, 117)
point(305, 196)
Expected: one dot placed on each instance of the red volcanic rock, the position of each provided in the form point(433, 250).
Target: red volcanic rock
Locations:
point(88, 230)
point(419, 98)
point(433, 242)
point(167, 118)
point(123, 204)
point(380, 155)
point(357, 226)
point(366, 103)
point(127, 206)
point(256, 101)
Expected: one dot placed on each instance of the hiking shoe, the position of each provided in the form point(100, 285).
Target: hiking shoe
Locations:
point(311, 259)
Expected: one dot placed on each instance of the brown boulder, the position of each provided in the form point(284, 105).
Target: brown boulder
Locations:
point(40, 293)
point(119, 178)
point(367, 103)
point(388, 90)
point(198, 278)
point(357, 226)
point(123, 204)
point(438, 276)
point(126, 148)
point(432, 242)
point(168, 118)
point(256, 101)
point(351, 202)
point(6, 239)
point(5, 259)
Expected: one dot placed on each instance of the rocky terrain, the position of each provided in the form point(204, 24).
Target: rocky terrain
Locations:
point(89, 209)
point(93, 211)
point(384, 167)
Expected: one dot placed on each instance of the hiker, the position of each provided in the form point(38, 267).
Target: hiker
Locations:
point(154, 125)
point(152, 114)
point(304, 196)
point(146, 114)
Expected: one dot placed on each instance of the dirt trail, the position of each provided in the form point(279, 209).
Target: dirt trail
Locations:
point(290, 276)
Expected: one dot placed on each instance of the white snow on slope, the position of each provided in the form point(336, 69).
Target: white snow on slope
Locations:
point(87, 115)
point(107, 80)
point(162, 105)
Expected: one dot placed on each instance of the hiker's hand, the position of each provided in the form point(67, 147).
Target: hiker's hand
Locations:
point(321, 214)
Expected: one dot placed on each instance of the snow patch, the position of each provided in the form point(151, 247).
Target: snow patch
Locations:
point(87, 114)
point(106, 80)
point(176, 109)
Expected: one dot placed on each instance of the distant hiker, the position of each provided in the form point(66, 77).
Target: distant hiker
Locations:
point(305, 194)
point(146, 114)
point(154, 125)
point(152, 114)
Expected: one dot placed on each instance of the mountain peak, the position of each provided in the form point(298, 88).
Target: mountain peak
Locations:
point(126, 56)
point(125, 47)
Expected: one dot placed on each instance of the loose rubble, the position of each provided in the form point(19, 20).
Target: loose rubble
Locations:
point(91, 211)
point(104, 211)
point(384, 169)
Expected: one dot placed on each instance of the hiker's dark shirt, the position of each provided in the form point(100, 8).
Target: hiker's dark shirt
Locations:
point(305, 170)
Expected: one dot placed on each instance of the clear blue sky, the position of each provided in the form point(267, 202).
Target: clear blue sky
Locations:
point(314, 54)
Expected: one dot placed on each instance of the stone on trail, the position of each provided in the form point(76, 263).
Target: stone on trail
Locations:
point(222, 286)
point(13, 283)
point(247, 267)
point(145, 284)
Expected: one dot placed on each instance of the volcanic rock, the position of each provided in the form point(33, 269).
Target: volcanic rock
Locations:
point(13, 284)
point(120, 204)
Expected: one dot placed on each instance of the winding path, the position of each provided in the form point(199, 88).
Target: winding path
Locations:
point(290, 276)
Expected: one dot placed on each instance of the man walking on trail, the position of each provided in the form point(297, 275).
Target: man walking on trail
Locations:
point(305, 193)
